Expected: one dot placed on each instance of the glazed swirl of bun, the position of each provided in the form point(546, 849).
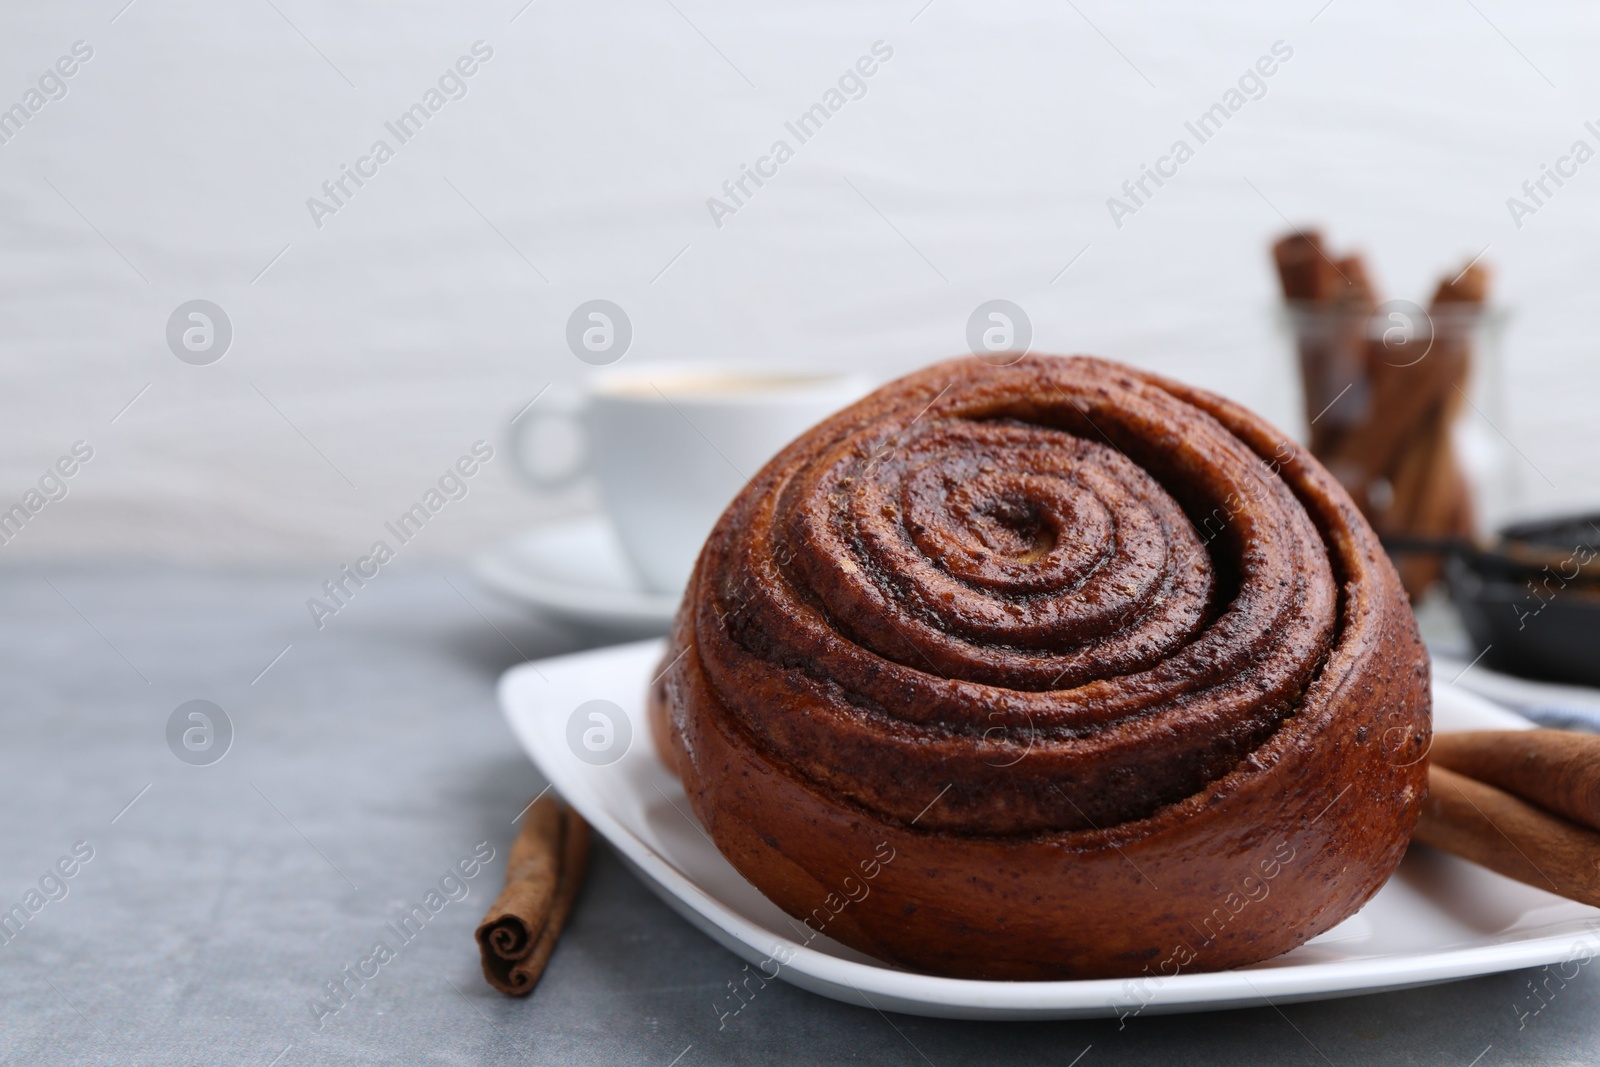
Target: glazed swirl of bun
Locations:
point(1087, 650)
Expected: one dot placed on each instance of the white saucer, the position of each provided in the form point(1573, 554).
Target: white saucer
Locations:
point(575, 571)
point(1438, 919)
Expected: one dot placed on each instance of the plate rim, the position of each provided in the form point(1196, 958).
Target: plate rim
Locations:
point(933, 995)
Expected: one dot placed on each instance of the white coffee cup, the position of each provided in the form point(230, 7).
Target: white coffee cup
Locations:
point(670, 447)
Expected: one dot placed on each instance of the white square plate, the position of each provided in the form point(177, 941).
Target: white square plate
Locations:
point(1438, 919)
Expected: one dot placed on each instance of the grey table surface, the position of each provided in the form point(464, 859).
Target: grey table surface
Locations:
point(368, 760)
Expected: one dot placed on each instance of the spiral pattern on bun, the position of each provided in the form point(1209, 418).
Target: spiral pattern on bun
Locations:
point(1045, 630)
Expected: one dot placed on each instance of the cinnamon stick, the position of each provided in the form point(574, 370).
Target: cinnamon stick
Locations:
point(1471, 286)
point(543, 874)
point(1330, 301)
point(1304, 270)
point(1505, 834)
point(1428, 478)
point(1557, 769)
point(1402, 397)
point(1431, 498)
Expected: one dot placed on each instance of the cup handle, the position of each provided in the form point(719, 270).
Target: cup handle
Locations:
point(559, 406)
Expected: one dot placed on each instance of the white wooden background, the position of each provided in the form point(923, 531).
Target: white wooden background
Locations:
point(415, 321)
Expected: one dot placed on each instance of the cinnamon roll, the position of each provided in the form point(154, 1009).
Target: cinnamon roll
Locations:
point(1052, 670)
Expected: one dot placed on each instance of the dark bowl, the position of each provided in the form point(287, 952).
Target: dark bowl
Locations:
point(1532, 602)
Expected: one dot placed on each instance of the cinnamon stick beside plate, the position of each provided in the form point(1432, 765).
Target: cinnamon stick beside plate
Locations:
point(543, 875)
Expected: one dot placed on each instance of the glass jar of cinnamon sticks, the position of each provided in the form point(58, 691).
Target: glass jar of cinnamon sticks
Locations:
point(1403, 404)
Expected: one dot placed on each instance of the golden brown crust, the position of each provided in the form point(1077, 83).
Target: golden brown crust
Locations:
point(1115, 674)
